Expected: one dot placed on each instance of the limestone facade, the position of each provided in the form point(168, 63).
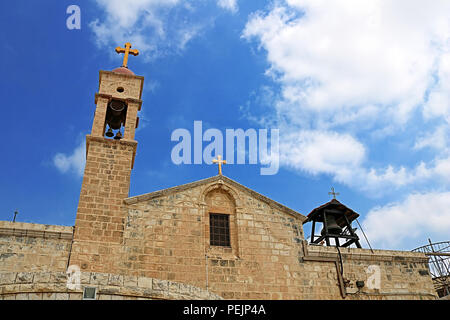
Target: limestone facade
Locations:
point(53, 286)
point(34, 247)
point(166, 236)
point(157, 246)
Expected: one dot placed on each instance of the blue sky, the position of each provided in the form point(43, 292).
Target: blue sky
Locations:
point(359, 91)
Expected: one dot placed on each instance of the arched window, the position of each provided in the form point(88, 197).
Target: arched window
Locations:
point(221, 231)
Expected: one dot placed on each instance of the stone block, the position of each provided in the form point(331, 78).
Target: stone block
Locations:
point(62, 296)
point(144, 282)
point(42, 277)
point(58, 277)
point(49, 296)
point(184, 289)
point(75, 296)
point(85, 277)
point(27, 287)
point(99, 278)
point(161, 285)
point(115, 280)
point(24, 277)
point(130, 281)
point(110, 290)
point(12, 288)
point(7, 278)
point(174, 287)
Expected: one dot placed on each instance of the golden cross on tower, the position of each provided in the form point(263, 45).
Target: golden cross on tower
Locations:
point(333, 193)
point(220, 162)
point(127, 50)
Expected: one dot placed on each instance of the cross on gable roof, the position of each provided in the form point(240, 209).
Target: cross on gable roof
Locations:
point(224, 179)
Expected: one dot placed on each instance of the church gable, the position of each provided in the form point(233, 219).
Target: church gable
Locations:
point(246, 196)
point(209, 233)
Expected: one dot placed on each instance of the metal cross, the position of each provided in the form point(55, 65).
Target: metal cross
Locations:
point(15, 214)
point(127, 50)
point(333, 193)
point(220, 162)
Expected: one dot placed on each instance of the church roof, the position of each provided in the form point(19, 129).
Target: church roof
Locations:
point(224, 179)
point(333, 204)
point(123, 70)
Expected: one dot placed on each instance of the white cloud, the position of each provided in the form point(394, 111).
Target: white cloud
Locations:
point(148, 24)
point(415, 219)
point(311, 151)
point(438, 104)
point(352, 71)
point(73, 163)
point(230, 5)
point(353, 53)
point(437, 139)
point(126, 13)
point(343, 157)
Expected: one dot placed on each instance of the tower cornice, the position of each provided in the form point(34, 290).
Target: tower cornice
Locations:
point(110, 97)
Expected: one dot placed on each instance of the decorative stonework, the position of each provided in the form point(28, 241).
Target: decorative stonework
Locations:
point(53, 286)
point(21, 229)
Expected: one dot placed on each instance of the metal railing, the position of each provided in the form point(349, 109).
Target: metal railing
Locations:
point(438, 264)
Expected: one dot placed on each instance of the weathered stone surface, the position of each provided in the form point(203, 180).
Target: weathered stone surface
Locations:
point(35, 296)
point(99, 278)
point(144, 282)
point(42, 277)
point(161, 285)
point(62, 296)
point(130, 281)
point(24, 277)
point(59, 277)
point(115, 280)
point(52, 290)
point(33, 247)
point(7, 278)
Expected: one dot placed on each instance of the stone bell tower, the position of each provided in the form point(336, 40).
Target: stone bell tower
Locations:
point(110, 153)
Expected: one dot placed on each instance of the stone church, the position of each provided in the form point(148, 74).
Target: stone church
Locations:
point(210, 239)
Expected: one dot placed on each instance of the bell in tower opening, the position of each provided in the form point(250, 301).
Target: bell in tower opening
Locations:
point(116, 115)
point(331, 224)
point(337, 225)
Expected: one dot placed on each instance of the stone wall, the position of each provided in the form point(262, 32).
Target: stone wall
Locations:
point(53, 286)
point(402, 275)
point(34, 247)
point(166, 237)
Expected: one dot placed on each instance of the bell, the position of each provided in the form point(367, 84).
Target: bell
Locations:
point(118, 136)
point(333, 227)
point(116, 114)
point(110, 133)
